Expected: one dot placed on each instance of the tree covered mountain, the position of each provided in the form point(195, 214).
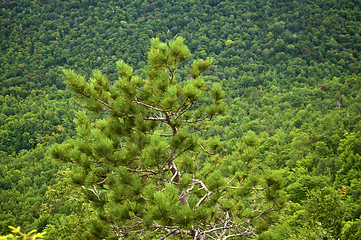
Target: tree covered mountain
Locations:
point(290, 71)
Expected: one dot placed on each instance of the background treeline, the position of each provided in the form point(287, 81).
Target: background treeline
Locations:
point(290, 69)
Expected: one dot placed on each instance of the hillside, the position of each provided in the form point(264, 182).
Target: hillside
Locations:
point(290, 70)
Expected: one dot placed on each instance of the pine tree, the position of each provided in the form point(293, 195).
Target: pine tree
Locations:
point(142, 161)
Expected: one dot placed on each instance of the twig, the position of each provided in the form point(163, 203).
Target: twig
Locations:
point(105, 104)
point(184, 110)
point(148, 106)
point(197, 120)
point(210, 153)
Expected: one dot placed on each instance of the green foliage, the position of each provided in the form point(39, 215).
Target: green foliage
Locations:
point(350, 155)
point(290, 72)
point(325, 206)
point(66, 213)
point(32, 235)
point(24, 180)
point(351, 230)
point(143, 166)
point(319, 217)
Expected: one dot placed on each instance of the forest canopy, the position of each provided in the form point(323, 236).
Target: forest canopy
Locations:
point(290, 72)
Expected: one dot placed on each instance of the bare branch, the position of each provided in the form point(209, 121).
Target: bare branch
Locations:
point(226, 227)
point(203, 186)
point(209, 236)
point(225, 224)
point(169, 233)
point(144, 170)
point(164, 228)
point(241, 234)
point(176, 174)
point(155, 119)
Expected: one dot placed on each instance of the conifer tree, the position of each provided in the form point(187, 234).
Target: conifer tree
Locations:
point(142, 162)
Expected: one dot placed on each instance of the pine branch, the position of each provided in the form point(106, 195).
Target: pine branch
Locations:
point(105, 104)
point(169, 233)
point(227, 227)
point(180, 107)
point(170, 77)
point(173, 73)
point(264, 212)
point(163, 135)
point(143, 170)
point(225, 224)
point(148, 106)
point(176, 174)
point(210, 153)
point(203, 186)
point(235, 174)
point(99, 183)
point(126, 114)
point(260, 189)
point(196, 120)
point(184, 151)
point(184, 110)
point(248, 232)
point(154, 119)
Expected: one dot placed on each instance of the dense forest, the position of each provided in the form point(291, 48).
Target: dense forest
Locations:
point(291, 76)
